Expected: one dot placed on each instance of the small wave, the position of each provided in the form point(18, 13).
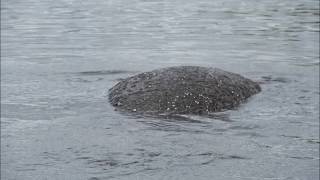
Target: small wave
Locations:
point(275, 79)
point(312, 64)
point(103, 72)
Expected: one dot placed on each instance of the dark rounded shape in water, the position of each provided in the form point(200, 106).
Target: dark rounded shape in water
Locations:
point(182, 90)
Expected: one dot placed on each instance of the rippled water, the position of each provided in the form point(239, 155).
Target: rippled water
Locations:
point(59, 58)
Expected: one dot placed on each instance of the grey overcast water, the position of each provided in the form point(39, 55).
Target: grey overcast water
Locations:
point(60, 57)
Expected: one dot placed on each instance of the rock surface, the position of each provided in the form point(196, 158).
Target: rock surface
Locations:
point(182, 90)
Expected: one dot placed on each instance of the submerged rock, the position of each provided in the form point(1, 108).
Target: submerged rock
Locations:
point(182, 90)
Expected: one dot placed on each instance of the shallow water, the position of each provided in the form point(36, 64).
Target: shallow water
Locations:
point(59, 58)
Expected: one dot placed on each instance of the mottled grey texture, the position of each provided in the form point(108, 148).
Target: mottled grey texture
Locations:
point(182, 90)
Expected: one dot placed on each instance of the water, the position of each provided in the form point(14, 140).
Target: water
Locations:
point(59, 58)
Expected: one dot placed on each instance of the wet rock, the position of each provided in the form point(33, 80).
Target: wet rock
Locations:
point(182, 90)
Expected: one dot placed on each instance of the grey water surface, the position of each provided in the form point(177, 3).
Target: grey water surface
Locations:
point(60, 57)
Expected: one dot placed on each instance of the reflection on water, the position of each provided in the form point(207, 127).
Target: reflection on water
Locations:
point(59, 58)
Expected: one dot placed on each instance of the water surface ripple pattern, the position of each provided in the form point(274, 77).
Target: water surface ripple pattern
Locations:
point(59, 58)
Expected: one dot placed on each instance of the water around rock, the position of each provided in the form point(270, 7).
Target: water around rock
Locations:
point(59, 58)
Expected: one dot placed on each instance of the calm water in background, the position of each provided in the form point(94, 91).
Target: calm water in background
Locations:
point(59, 58)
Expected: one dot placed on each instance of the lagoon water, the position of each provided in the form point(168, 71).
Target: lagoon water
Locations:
point(59, 58)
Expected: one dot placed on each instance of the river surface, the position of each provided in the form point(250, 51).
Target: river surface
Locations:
point(60, 57)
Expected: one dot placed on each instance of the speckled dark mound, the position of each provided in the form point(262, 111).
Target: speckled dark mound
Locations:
point(182, 90)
